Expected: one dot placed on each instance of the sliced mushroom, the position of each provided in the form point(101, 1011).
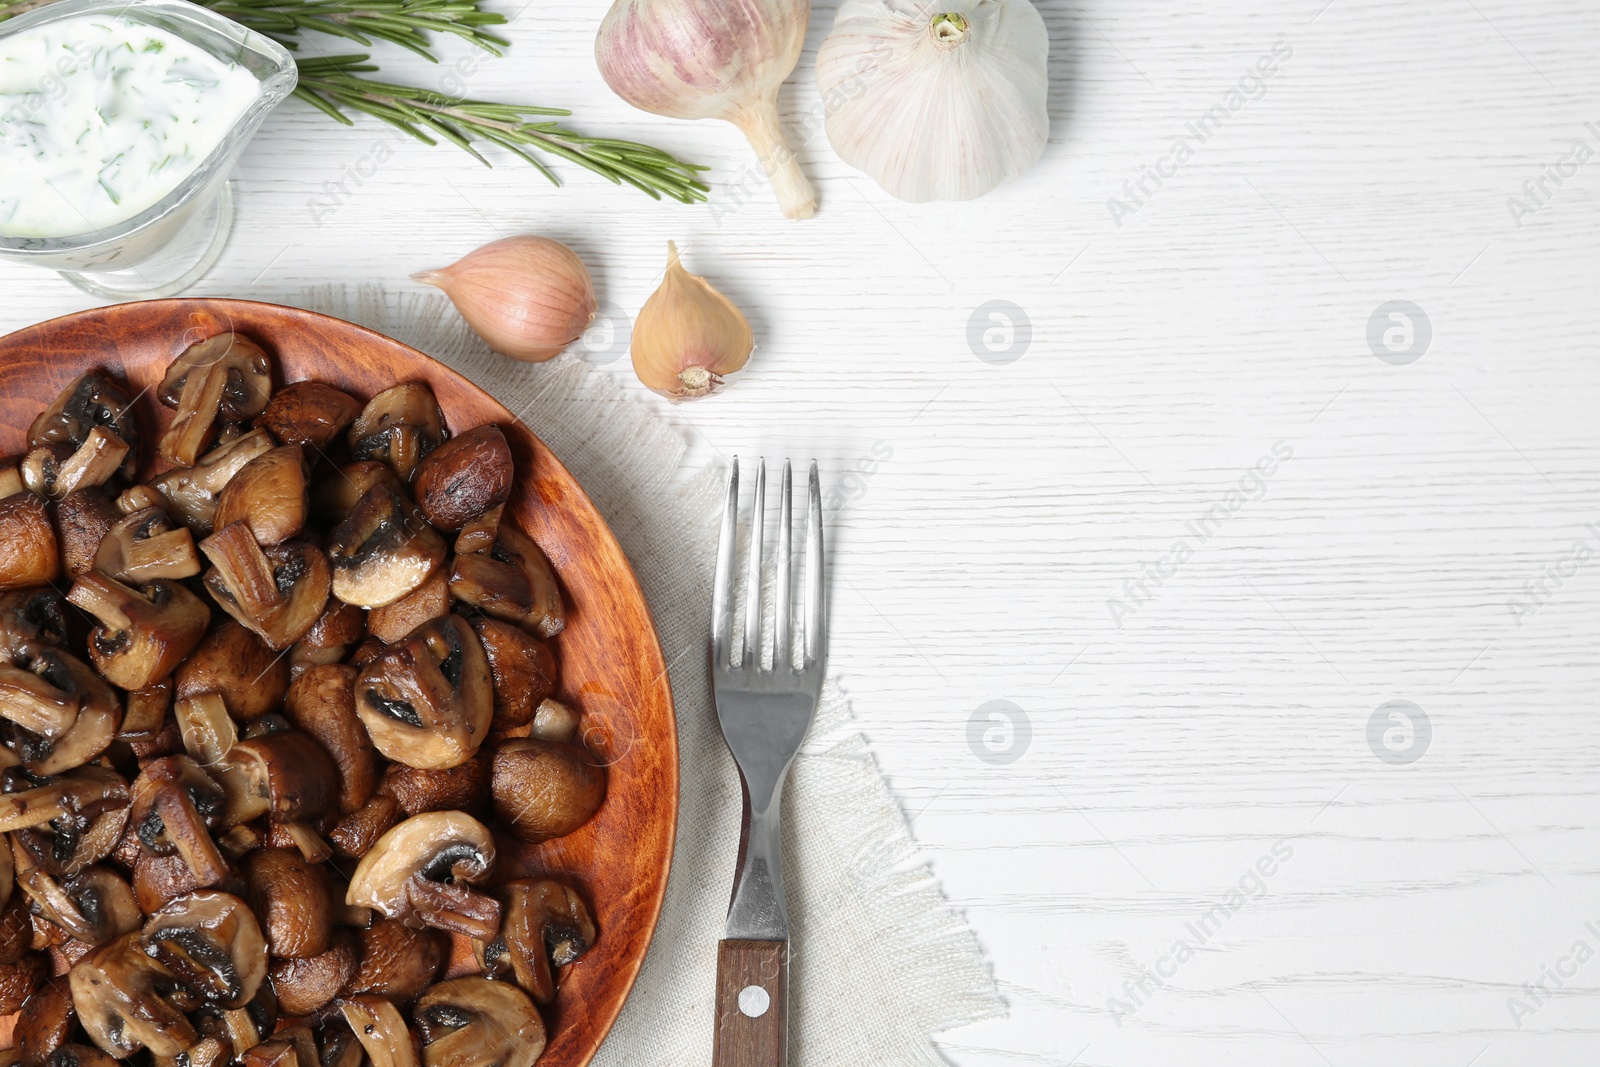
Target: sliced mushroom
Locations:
point(474, 1022)
point(545, 789)
point(290, 900)
point(430, 600)
point(464, 477)
point(335, 492)
point(56, 471)
point(382, 550)
point(544, 924)
point(30, 695)
point(523, 667)
point(235, 663)
point(95, 906)
point(242, 1029)
point(284, 775)
point(29, 554)
point(77, 797)
point(310, 414)
point(143, 546)
point(83, 519)
point(322, 703)
point(117, 991)
point(60, 681)
point(330, 637)
point(463, 788)
point(380, 1029)
point(91, 400)
point(278, 593)
point(19, 979)
point(70, 842)
point(301, 1039)
point(428, 700)
point(47, 1023)
point(305, 984)
point(269, 494)
point(144, 633)
point(223, 378)
point(399, 426)
point(421, 871)
point(356, 833)
point(175, 805)
point(190, 494)
point(513, 581)
point(273, 1053)
point(212, 945)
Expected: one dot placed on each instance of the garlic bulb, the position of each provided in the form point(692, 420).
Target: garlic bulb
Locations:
point(936, 99)
point(713, 59)
point(528, 297)
point(688, 335)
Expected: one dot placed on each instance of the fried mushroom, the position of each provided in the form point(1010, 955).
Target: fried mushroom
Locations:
point(175, 805)
point(144, 633)
point(239, 666)
point(143, 546)
point(545, 789)
point(398, 961)
point(278, 593)
point(427, 701)
point(29, 552)
point(269, 494)
point(523, 667)
point(422, 871)
point(464, 477)
point(117, 991)
point(321, 702)
point(212, 945)
point(92, 399)
point(190, 494)
point(511, 580)
point(544, 924)
point(290, 899)
point(305, 984)
point(382, 550)
point(380, 1029)
point(475, 1022)
point(83, 519)
point(309, 414)
point(399, 426)
point(226, 378)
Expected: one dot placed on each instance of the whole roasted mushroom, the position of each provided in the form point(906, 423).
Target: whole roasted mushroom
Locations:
point(226, 378)
point(29, 553)
point(422, 870)
point(512, 580)
point(212, 945)
point(428, 700)
point(309, 414)
point(306, 984)
point(322, 703)
point(144, 633)
point(398, 961)
point(91, 400)
point(117, 991)
point(523, 667)
point(464, 477)
point(237, 664)
point(190, 494)
point(545, 789)
point(382, 550)
point(544, 924)
point(269, 494)
point(290, 900)
point(83, 519)
point(399, 426)
point(475, 1022)
point(278, 593)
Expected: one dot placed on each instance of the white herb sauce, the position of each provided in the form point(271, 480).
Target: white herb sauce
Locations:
point(101, 117)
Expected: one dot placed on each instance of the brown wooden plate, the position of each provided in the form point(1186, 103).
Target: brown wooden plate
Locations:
point(611, 663)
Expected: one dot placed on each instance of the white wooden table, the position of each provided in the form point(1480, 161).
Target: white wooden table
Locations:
point(1197, 535)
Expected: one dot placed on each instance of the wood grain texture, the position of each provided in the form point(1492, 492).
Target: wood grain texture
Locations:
point(752, 1027)
point(611, 664)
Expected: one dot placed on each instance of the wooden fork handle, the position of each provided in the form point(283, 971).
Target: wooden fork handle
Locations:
point(752, 1004)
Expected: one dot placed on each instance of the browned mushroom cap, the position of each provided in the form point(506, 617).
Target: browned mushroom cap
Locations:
point(83, 519)
point(57, 470)
point(309, 414)
point(474, 1022)
point(397, 961)
point(278, 593)
point(47, 1023)
point(144, 633)
point(330, 637)
point(10, 478)
point(144, 545)
point(60, 681)
point(76, 1055)
point(223, 378)
point(544, 923)
point(399, 426)
point(190, 493)
point(463, 788)
point(269, 494)
point(322, 703)
point(382, 550)
point(95, 906)
point(29, 554)
point(92, 399)
point(234, 662)
point(116, 990)
point(18, 980)
point(545, 789)
point(428, 700)
point(513, 581)
point(380, 1029)
point(212, 945)
point(464, 477)
point(175, 804)
point(356, 833)
point(420, 871)
point(284, 775)
point(305, 984)
point(290, 899)
point(523, 667)
point(430, 600)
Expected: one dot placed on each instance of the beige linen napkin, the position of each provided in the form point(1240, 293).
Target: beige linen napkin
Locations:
point(854, 878)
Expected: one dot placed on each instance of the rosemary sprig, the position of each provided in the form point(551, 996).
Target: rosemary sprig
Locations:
point(403, 22)
point(333, 84)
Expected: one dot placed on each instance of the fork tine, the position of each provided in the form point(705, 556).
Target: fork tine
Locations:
point(722, 587)
point(816, 620)
point(751, 660)
point(783, 610)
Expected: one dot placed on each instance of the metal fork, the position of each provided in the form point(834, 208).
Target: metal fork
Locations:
point(764, 714)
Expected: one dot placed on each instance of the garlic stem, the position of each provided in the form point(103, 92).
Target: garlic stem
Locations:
point(948, 29)
point(761, 127)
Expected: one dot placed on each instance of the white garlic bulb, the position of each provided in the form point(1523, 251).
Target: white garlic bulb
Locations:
point(936, 99)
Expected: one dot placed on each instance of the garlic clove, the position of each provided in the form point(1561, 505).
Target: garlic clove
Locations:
point(528, 297)
point(937, 100)
point(688, 336)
